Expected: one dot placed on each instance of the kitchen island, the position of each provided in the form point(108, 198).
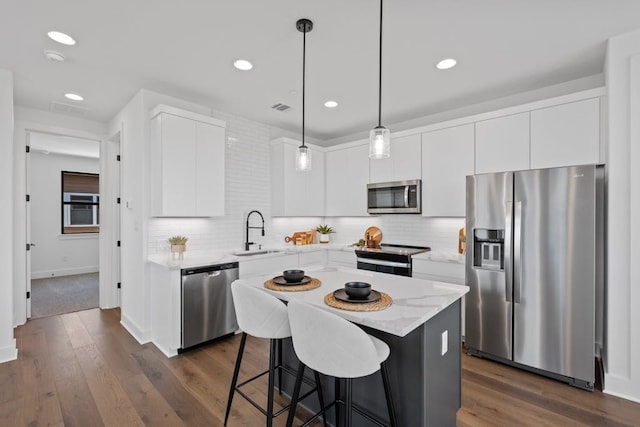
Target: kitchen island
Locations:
point(422, 329)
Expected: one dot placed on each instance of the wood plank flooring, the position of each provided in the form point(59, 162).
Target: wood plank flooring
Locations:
point(84, 369)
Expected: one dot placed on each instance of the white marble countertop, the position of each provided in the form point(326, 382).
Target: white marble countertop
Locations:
point(204, 258)
point(440, 256)
point(415, 301)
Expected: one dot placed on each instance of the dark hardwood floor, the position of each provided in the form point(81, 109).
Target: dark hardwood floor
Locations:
point(84, 369)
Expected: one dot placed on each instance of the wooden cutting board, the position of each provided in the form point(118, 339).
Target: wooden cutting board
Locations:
point(374, 233)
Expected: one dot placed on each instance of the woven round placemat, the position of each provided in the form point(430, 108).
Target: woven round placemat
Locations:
point(384, 302)
point(314, 283)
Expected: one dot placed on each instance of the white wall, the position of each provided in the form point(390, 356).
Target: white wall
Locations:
point(26, 120)
point(623, 298)
point(56, 254)
point(8, 350)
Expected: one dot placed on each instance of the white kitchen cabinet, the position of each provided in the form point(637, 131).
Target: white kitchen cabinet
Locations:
point(502, 144)
point(447, 158)
point(312, 258)
point(341, 258)
point(404, 163)
point(187, 164)
point(566, 134)
point(270, 265)
point(296, 193)
point(347, 175)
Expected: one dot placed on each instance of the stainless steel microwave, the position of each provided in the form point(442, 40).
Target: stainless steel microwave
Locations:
point(395, 197)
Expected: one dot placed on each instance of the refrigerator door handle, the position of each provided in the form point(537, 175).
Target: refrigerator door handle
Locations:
point(508, 271)
point(517, 253)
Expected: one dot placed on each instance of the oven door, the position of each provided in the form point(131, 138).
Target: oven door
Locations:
point(383, 266)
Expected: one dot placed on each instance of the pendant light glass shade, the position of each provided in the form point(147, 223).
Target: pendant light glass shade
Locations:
point(303, 158)
point(379, 136)
point(379, 143)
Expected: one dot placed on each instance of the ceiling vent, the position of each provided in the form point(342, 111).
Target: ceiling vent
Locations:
point(282, 107)
point(61, 107)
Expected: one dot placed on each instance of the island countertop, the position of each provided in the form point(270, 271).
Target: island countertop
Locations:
point(415, 301)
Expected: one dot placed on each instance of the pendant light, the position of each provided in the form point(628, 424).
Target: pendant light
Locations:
point(303, 155)
point(380, 137)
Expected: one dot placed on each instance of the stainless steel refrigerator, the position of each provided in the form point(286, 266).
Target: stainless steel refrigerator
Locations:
point(535, 268)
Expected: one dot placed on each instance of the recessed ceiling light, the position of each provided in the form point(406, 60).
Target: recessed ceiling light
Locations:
point(61, 38)
point(74, 96)
point(242, 64)
point(445, 64)
point(54, 56)
point(331, 104)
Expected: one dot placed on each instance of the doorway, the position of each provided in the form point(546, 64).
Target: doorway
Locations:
point(63, 224)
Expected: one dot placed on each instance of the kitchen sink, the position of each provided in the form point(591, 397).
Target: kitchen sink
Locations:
point(259, 252)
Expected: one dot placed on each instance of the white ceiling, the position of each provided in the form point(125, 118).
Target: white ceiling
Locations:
point(186, 49)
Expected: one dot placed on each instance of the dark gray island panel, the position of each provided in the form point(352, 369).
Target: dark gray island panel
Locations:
point(426, 385)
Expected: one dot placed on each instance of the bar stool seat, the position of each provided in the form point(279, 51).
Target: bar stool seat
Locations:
point(262, 315)
point(336, 347)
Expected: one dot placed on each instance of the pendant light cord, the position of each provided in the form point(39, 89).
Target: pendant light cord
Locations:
point(379, 74)
point(304, 58)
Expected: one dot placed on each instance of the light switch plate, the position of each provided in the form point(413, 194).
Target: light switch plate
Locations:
point(444, 346)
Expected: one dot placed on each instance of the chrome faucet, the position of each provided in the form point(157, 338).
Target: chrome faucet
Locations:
point(247, 242)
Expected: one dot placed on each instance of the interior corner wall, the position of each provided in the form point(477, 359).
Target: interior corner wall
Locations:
point(55, 254)
point(622, 339)
point(8, 350)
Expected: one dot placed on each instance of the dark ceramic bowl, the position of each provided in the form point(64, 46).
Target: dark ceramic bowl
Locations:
point(357, 290)
point(293, 275)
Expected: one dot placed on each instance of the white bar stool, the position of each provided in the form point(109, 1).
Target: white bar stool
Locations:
point(262, 315)
point(336, 347)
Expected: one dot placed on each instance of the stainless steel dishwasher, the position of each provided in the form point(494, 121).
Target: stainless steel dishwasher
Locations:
point(207, 305)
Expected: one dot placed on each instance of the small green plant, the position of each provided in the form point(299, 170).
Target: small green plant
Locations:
point(324, 229)
point(178, 240)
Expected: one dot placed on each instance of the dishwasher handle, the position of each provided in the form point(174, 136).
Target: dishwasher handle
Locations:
point(211, 270)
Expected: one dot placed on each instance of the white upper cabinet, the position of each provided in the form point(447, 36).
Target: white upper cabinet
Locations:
point(502, 144)
point(187, 164)
point(296, 193)
point(347, 174)
point(404, 163)
point(566, 134)
point(447, 158)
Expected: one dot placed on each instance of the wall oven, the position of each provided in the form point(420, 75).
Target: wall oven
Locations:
point(391, 259)
point(395, 197)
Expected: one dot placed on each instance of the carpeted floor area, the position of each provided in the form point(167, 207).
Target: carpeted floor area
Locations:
point(64, 294)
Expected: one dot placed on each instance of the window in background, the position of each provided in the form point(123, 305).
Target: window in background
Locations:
point(80, 202)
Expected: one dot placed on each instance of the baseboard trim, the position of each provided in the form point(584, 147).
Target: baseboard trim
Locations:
point(620, 386)
point(9, 352)
point(138, 333)
point(65, 272)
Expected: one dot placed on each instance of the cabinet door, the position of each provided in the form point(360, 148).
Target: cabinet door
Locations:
point(565, 135)
point(447, 158)
point(315, 187)
point(209, 181)
point(404, 163)
point(178, 171)
point(347, 175)
point(502, 144)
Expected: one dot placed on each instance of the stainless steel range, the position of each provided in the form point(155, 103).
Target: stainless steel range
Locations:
point(387, 258)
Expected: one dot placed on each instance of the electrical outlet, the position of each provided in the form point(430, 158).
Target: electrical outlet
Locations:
point(444, 346)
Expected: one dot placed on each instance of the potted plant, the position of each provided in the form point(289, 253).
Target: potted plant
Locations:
point(178, 244)
point(324, 231)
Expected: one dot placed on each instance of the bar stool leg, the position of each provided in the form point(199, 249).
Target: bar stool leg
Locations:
point(272, 362)
point(387, 394)
point(320, 396)
point(337, 396)
point(280, 364)
point(296, 394)
point(348, 404)
point(234, 381)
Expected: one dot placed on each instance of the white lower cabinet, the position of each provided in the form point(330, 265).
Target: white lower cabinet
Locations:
point(312, 258)
point(347, 176)
point(275, 265)
point(341, 258)
point(566, 134)
point(447, 158)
